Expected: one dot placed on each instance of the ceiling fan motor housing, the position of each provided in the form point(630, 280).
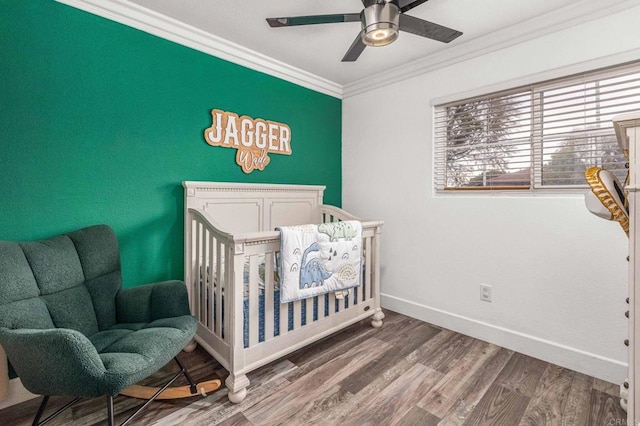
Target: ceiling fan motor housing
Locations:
point(380, 24)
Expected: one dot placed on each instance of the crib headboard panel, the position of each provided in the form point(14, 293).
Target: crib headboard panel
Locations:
point(247, 207)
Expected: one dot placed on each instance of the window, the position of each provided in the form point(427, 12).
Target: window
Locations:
point(543, 135)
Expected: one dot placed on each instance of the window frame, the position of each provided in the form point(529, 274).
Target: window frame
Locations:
point(535, 88)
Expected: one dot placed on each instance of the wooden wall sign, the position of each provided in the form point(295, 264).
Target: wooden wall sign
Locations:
point(253, 138)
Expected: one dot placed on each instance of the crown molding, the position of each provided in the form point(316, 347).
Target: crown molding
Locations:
point(557, 20)
point(135, 16)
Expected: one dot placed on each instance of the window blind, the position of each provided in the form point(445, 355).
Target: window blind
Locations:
point(542, 135)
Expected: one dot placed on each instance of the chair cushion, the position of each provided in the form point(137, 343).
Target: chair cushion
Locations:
point(73, 308)
point(12, 314)
point(99, 256)
point(131, 352)
point(18, 282)
point(19, 291)
point(55, 264)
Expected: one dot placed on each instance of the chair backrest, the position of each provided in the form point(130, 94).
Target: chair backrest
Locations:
point(68, 281)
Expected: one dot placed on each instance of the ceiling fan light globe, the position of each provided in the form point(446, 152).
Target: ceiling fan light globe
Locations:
point(379, 35)
point(380, 24)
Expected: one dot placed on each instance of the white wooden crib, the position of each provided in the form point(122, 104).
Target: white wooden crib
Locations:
point(231, 274)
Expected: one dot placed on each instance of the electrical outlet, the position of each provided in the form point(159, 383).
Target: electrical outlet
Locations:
point(486, 292)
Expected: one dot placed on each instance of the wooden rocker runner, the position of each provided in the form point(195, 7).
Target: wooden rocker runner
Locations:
point(186, 391)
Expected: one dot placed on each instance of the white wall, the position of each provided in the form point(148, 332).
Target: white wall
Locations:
point(558, 272)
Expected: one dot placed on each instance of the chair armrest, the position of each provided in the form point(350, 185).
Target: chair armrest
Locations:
point(150, 302)
point(54, 361)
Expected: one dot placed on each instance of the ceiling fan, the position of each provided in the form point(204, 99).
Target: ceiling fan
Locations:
point(381, 21)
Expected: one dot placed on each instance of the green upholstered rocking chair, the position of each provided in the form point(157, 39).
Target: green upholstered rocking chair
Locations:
point(69, 328)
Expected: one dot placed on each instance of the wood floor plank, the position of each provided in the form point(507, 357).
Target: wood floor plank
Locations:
point(216, 407)
point(391, 330)
point(606, 387)
point(605, 409)
point(395, 401)
point(498, 407)
point(479, 384)
point(521, 374)
point(418, 417)
point(302, 393)
point(445, 393)
point(331, 399)
point(549, 398)
point(375, 376)
point(442, 358)
point(318, 354)
point(351, 403)
point(361, 329)
point(576, 410)
point(403, 345)
point(236, 420)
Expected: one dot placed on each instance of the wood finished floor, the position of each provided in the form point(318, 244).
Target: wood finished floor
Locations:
point(406, 373)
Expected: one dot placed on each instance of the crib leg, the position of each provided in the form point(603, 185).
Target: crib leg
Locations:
point(377, 318)
point(237, 386)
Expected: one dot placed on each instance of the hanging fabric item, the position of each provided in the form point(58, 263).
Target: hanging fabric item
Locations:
point(606, 198)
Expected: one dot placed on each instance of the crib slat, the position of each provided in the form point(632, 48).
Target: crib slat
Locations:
point(254, 294)
point(195, 272)
point(198, 272)
point(193, 284)
point(269, 315)
point(332, 303)
point(309, 310)
point(284, 318)
point(321, 305)
point(210, 280)
point(297, 314)
point(201, 272)
point(219, 265)
point(366, 294)
point(229, 325)
point(234, 293)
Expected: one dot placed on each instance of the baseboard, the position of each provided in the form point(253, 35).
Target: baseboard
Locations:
point(604, 368)
point(17, 394)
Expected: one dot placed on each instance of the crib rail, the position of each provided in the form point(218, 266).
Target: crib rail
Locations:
point(234, 292)
point(208, 279)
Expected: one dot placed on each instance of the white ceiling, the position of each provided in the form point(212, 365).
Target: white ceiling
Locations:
point(318, 49)
point(310, 56)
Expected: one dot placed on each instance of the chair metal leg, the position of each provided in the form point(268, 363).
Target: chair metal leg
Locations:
point(110, 410)
point(43, 405)
point(193, 387)
point(150, 400)
point(183, 370)
point(36, 421)
point(110, 414)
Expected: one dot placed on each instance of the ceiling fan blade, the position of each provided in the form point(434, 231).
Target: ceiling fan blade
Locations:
point(427, 29)
point(315, 19)
point(405, 5)
point(355, 50)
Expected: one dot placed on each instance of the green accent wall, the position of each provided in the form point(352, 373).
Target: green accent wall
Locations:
point(100, 123)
